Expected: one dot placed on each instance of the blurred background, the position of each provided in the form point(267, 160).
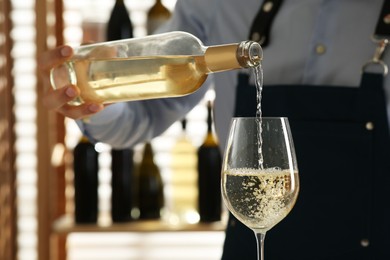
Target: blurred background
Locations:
point(36, 176)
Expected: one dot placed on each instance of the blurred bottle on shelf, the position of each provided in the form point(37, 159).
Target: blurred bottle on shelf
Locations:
point(158, 14)
point(209, 174)
point(85, 167)
point(119, 25)
point(150, 186)
point(183, 208)
point(121, 183)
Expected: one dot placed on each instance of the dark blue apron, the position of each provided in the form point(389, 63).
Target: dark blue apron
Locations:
point(342, 143)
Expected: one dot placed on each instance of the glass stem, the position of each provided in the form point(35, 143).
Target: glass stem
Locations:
point(260, 245)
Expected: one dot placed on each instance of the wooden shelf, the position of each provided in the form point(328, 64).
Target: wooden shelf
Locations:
point(65, 225)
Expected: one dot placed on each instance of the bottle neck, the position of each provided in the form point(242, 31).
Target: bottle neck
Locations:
point(210, 139)
point(184, 125)
point(148, 154)
point(209, 117)
point(159, 9)
point(84, 139)
point(222, 57)
point(233, 56)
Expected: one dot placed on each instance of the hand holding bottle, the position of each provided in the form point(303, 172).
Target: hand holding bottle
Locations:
point(159, 66)
point(58, 99)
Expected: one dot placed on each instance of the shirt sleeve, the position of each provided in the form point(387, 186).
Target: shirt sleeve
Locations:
point(126, 124)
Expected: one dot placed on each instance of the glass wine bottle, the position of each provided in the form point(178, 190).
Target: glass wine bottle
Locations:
point(119, 26)
point(157, 15)
point(209, 175)
point(85, 167)
point(121, 184)
point(156, 66)
point(150, 186)
point(184, 180)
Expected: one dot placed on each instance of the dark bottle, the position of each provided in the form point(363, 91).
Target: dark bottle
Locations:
point(209, 175)
point(157, 15)
point(85, 166)
point(119, 25)
point(150, 186)
point(121, 184)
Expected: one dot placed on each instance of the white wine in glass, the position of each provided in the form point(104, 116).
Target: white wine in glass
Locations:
point(260, 182)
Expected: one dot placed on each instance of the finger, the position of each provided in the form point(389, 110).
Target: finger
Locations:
point(82, 111)
point(55, 99)
point(54, 57)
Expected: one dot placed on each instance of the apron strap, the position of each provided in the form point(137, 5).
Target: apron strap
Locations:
point(261, 25)
point(382, 30)
point(381, 38)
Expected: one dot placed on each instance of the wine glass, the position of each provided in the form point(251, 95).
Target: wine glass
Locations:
point(260, 182)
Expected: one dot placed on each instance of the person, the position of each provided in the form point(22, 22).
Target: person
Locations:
point(316, 73)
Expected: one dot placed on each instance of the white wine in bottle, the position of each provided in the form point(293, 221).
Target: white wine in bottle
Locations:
point(183, 208)
point(157, 66)
point(157, 15)
point(150, 186)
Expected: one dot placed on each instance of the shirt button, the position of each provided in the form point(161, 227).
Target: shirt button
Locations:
point(320, 49)
point(364, 242)
point(370, 126)
point(386, 19)
point(268, 6)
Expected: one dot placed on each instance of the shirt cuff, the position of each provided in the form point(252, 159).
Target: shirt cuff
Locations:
point(100, 119)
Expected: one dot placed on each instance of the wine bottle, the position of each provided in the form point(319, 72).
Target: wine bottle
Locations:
point(85, 167)
point(119, 25)
point(121, 184)
point(157, 15)
point(184, 180)
point(150, 186)
point(209, 175)
point(156, 66)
